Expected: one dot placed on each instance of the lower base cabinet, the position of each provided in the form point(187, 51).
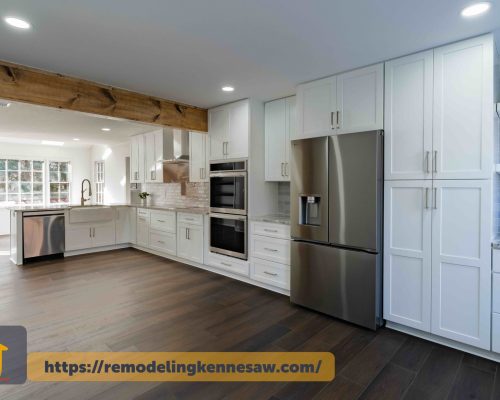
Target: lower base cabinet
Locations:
point(270, 273)
point(190, 242)
point(88, 237)
point(229, 264)
point(163, 241)
point(495, 333)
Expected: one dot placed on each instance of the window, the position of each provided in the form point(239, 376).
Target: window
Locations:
point(59, 178)
point(22, 181)
point(99, 182)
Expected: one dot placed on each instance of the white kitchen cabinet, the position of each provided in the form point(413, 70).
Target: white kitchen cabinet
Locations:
point(349, 102)
point(154, 154)
point(104, 235)
point(461, 261)
point(198, 157)
point(280, 117)
point(164, 242)
point(495, 333)
point(125, 225)
point(228, 128)
point(316, 108)
point(190, 242)
point(137, 161)
point(360, 100)
point(407, 253)
point(161, 220)
point(408, 117)
point(142, 227)
point(463, 112)
point(78, 237)
point(270, 273)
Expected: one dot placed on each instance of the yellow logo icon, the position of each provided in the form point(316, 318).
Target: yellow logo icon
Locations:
point(2, 349)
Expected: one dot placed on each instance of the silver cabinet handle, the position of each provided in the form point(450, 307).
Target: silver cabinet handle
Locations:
point(93, 232)
point(90, 232)
point(427, 198)
point(434, 161)
point(226, 264)
point(338, 117)
point(201, 173)
point(435, 199)
point(270, 273)
point(189, 233)
point(286, 169)
point(331, 119)
point(268, 249)
point(160, 241)
point(282, 174)
point(160, 220)
point(427, 156)
point(270, 230)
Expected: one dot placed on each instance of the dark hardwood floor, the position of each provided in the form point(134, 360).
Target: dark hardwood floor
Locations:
point(127, 300)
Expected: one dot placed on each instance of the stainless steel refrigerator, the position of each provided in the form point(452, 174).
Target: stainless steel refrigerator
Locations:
point(336, 225)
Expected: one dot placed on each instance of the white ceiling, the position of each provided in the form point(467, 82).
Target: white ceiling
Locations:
point(26, 123)
point(187, 49)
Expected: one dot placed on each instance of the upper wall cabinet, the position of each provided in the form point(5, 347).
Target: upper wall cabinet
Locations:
point(463, 109)
point(408, 117)
point(228, 127)
point(438, 113)
point(280, 117)
point(349, 102)
point(137, 159)
point(198, 157)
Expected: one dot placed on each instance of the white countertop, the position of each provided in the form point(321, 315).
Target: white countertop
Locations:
point(54, 207)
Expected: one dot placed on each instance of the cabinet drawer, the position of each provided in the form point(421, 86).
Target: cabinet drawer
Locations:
point(496, 260)
point(271, 273)
point(280, 231)
point(163, 221)
point(277, 250)
point(495, 333)
point(229, 264)
point(496, 293)
point(163, 241)
point(187, 218)
point(143, 212)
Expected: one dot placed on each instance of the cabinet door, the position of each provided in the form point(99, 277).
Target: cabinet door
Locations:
point(407, 253)
point(461, 261)
point(408, 117)
point(237, 140)
point(158, 156)
point(150, 156)
point(104, 235)
point(123, 225)
point(360, 100)
point(290, 132)
point(316, 108)
point(196, 156)
point(463, 113)
point(190, 242)
point(218, 129)
point(276, 136)
point(137, 159)
point(78, 238)
point(142, 233)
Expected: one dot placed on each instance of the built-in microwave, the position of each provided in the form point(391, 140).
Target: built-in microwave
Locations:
point(228, 187)
point(228, 235)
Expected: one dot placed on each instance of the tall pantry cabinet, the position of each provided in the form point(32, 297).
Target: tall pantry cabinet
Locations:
point(438, 166)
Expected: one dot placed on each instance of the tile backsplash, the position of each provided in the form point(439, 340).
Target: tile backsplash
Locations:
point(169, 194)
point(284, 198)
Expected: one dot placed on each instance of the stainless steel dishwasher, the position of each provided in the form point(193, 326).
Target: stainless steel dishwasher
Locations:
point(43, 234)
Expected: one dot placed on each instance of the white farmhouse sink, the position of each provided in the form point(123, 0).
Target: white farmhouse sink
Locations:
point(90, 214)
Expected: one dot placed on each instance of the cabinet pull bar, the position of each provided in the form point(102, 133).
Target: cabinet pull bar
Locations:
point(270, 273)
point(270, 230)
point(331, 120)
point(226, 264)
point(338, 117)
point(435, 199)
point(434, 161)
point(427, 198)
point(268, 249)
point(427, 155)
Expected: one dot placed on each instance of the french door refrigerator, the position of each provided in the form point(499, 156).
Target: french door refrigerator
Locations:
point(336, 226)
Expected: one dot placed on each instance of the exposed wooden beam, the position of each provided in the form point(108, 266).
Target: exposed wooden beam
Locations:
point(29, 85)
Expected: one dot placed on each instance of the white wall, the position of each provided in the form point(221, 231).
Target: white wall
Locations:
point(78, 157)
point(115, 170)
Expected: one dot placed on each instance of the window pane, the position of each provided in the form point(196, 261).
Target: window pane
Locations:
point(38, 165)
point(3, 197)
point(64, 187)
point(54, 176)
point(63, 166)
point(54, 188)
point(64, 177)
point(64, 198)
point(13, 187)
point(26, 198)
point(2, 187)
point(2, 165)
point(26, 187)
point(38, 176)
point(37, 187)
point(26, 165)
point(26, 176)
point(3, 176)
point(37, 198)
point(53, 166)
point(13, 197)
point(13, 176)
point(13, 165)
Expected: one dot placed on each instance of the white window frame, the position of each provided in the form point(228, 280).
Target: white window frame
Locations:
point(100, 181)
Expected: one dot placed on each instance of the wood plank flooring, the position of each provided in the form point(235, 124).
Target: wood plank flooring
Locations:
point(127, 300)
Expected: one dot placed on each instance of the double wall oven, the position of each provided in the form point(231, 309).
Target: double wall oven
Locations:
point(228, 208)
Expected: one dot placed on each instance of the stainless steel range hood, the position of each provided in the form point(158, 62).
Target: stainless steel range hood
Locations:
point(176, 157)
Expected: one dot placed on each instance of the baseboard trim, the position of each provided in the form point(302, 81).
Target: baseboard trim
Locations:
point(444, 341)
point(96, 249)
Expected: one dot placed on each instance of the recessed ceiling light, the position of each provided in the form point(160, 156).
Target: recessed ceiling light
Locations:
point(17, 23)
point(52, 143)
point(76, 139)
point(228, 89)
point(4, 104)
point(105, 129)
point(475, 9)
